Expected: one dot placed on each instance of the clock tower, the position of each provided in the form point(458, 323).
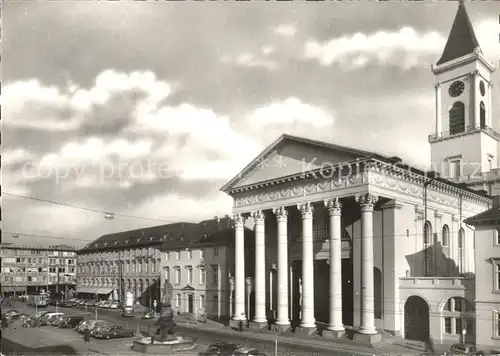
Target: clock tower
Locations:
point(464, 144)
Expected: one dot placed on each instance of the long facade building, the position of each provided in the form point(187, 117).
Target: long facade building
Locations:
point(29, 269)
point(129, 261)
point(125, 261)
point(358, 239)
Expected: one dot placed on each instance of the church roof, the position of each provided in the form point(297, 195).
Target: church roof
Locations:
point(462, 39)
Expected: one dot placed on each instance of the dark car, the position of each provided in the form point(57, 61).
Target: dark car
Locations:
point(113, 332)
point(128, 311)
point(71, 322)
point(221, 348)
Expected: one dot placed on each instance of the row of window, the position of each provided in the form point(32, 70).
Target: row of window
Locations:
point(189, 254)
point(23, 252)
point(445, 242)
point(151, 251)
point(41, 279)
point(112, 267)
point(177, 275)
point(37, 270)
point(39, 260)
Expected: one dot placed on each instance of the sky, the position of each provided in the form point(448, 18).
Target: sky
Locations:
point(147, 108)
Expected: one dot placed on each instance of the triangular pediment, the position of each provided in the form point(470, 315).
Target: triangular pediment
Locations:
point(292, 155)
point(188, 288)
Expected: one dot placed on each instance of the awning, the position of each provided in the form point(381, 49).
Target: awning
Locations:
point(104, 291)
point(86, 290)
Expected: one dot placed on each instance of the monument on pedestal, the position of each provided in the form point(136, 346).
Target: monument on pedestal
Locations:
point(164, 339)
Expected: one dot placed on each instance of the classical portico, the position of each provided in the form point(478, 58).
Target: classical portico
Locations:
point(318, 209)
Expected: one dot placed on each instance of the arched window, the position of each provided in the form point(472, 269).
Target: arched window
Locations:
point(457, 118)
point(458, 314)
point(482, 115)
point(427, 248)
point(446, 236)
point(461, 249)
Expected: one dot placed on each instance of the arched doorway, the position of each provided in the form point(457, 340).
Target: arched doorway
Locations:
point(416, 319)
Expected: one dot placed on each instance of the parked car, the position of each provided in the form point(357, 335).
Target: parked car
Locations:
point(465, 349)
point(128, 311)
point(56, 320)
point(70, 322)
point(221, 348)
point(114, 332)
point(114, 305)
point(99, 327)
point(148, 314)
point(48, 318)
point(12, 314)
point(90, 324)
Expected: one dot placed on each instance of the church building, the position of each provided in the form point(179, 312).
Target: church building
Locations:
point(351, 240)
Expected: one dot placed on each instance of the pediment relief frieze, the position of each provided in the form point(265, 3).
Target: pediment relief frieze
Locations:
point(300, 189)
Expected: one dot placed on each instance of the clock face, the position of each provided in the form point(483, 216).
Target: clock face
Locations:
point(481, 88)
point(456, 88)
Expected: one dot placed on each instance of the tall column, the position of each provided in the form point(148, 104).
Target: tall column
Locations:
point(439, 129)
point(260, 267)
point(239, 273)
point(477, 98)
point(367, 201)
point(308, 320)
point(282, 219)
point(335, 236)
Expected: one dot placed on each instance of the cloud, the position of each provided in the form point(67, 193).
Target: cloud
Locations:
point(292, 111)
point(250, 60)
point(286, 30)
point(403, 48)
point(193, 210)
point(267, 50)
point(108, 103)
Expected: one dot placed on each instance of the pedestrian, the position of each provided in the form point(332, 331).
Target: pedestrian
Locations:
point(240, 326)
point(86, 335)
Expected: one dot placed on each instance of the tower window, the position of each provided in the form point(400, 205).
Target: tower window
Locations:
point(457, 118)
point(455, 168)
point(482, 115)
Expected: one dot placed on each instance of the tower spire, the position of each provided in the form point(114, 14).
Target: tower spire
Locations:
point(462, 39)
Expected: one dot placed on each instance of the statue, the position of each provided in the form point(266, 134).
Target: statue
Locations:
point(165, 323)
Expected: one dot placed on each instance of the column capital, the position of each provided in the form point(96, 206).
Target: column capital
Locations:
point(258, 216)
point(474, 72)
point(333, 205)
point(238, 219)
point(281, 213)
point(306, 209)
point(437, 85)
point(366, 201)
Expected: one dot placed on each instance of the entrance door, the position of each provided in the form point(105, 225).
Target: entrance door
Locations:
point(190, 304)
point(416, 319)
